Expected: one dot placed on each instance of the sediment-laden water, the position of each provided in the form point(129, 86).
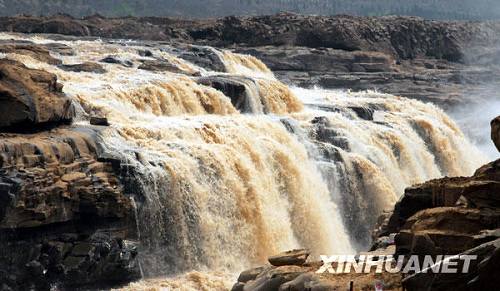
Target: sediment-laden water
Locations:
point(220, 183)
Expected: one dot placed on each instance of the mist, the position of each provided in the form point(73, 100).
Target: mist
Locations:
point(474, 120)
point(483, 104)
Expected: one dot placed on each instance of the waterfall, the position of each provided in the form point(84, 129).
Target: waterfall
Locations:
point(227, 168)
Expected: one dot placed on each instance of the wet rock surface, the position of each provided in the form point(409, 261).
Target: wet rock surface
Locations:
point(35, 51)
point(117, 61)
point(88, 67)
point(239, 88)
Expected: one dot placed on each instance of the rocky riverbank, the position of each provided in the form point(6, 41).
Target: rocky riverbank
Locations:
point(62, 208)
point(448, 63)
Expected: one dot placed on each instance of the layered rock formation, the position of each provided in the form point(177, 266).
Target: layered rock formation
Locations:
point(62, 208)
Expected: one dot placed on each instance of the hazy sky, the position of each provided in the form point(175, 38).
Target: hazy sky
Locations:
point(436, 9)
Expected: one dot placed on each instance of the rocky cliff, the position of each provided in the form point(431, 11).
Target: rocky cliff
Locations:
point(62, 208)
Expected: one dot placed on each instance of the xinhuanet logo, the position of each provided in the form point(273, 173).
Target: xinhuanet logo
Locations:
point(400, 264)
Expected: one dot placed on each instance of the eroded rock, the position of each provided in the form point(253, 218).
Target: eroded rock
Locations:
point(288, 258)
point(88, 67)
point(31, 98)
point(482, 273)
point(96, 120)
point(63, 218)
point(32, 50)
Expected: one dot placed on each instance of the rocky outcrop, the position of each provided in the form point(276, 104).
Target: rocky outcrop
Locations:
point(89, 67)
point(495, 132)
point(482, 275)
point(450, 216)
point(35, 51)
point(289, 258)
point(203, 56)
point(30, 98)
point(305, 277)
point(63, 213)
point(243, 91)
point(434, 80)
point(443, 216)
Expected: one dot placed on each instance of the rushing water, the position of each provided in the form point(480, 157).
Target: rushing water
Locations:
point(218, 190)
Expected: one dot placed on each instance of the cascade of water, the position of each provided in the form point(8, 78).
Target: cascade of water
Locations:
point(372, 146)
point(222, 190)
point(223, 184)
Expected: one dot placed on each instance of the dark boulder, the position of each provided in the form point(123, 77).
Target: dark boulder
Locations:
point(243, 91)
point(117, 60)
point(205, 57)
point(293, 257)
point(96, 120)
point(495, 132)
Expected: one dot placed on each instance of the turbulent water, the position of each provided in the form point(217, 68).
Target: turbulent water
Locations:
point(219, 184)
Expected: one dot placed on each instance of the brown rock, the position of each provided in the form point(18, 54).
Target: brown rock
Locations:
point(35, 51)
point(29, 97)
point(89, 67)
point(251, 274)
point(482, 194)
point(444, 230)
point(293, 257)
point(56, 187)
point(96, 120)
point(273, 278)
point(482, 273)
